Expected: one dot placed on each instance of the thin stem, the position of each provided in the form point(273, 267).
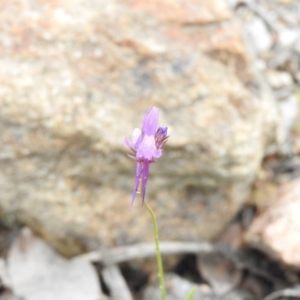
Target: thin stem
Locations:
point(158, 255)
point(191, 294)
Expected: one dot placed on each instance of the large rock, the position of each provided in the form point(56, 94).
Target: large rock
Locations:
point(276, 229)
point(76, 77)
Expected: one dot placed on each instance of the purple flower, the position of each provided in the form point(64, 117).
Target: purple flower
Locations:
point(147, 145)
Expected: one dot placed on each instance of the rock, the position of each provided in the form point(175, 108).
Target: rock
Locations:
point(4, 275)
point(286, 60)
point(276, 230)
point(179, 288)
point(279, 79)
point(288, 37)
point(76, 78)
point(232, 235)
point(259, 34)
point(238, 295)
point(298, 77)
point(289, 110)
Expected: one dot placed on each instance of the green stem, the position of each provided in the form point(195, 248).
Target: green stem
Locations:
point(191, 294)
point(158, 255)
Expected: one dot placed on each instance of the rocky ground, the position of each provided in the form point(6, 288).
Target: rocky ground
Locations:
point(231, 169)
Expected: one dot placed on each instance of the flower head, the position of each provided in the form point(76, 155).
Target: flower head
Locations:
point(147, 144)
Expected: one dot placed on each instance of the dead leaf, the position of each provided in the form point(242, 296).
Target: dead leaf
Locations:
point(38, 272)
point(5, 279)
point(219, 271)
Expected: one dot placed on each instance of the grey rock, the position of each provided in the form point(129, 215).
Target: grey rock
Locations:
point(178, 288)
point(238, 295)
point(76, 79)
point(297, 75)
point(288, 37)
point(259, 34)
point(279, 79)
point(289, 109)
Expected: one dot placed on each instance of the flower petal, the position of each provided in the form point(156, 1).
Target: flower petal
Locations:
point(145, 175)
point(147, 144)
point(147, 149)
point(150, 121)
point(136, 135)
point(162, 131)
point(128, 143)
point(138, 173)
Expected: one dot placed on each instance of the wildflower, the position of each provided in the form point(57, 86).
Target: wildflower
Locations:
point(147, 144)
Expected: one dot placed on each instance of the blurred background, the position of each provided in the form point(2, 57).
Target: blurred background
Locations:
point(76, 77)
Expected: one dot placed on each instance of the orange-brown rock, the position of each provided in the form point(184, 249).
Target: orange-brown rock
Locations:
point(276, 230)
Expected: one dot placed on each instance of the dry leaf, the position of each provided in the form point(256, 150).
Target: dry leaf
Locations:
point(219, 271)
point(38, 272)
